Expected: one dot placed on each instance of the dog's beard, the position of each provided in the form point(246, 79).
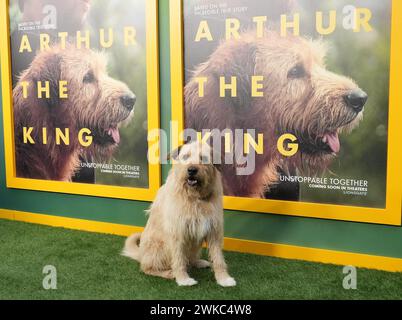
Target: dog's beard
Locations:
point(193, 182)
point(106, 138)
point(105, 142)
point(196, 186)
point(310, 165)
point(100, 153)
point(317, 149)
point(323, 138)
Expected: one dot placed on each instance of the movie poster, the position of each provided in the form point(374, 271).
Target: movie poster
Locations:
point(80, 90)
point(296, 92)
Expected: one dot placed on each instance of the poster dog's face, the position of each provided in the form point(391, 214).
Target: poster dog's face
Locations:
point(101, 103)
point(298, 95)
point(94, 100)
point(307, 100)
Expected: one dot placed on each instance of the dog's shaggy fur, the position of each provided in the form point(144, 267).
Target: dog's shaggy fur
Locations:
point(95, 101)
point(301, 97)
point(186, 212)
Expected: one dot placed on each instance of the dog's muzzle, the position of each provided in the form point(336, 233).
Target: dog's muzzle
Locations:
point(192, 180)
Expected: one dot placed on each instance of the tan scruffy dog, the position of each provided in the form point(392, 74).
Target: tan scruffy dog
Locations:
point(186, 212)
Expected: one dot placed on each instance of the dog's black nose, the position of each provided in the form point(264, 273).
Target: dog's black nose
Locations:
point(192, 171)
point(356, 99)
point(128, 101)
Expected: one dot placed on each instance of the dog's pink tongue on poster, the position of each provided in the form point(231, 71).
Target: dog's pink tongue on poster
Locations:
point(114, 132)
point(333, 142)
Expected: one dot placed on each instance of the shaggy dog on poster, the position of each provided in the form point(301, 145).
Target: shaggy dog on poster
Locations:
point(301, 97)
point(186, 212)
point(95, 101)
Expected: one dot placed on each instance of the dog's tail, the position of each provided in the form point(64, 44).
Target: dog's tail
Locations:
point(131, 247)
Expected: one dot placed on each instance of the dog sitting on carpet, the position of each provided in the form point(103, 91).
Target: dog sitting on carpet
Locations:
point(186, 212)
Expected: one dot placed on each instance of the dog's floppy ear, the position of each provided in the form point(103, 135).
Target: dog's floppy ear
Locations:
point(45, 68)
point(239, 60)
point(174, 154)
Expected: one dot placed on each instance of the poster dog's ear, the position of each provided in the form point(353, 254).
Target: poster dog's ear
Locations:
point(46, 69)
point(242, 66)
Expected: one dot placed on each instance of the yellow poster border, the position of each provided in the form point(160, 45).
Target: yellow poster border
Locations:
point(391, 215)
point(143, 194)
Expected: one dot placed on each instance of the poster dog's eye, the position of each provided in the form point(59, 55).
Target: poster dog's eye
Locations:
point(89, 77)
point(297, 72)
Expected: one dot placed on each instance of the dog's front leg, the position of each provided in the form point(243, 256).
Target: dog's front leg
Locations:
point(215, 244)
point(180, 263)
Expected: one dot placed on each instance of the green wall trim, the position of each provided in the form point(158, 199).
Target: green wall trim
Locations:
point(316, 233)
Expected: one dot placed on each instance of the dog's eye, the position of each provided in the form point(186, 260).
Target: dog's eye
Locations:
point(89, 77)
point(297, 72)
point(185, 157)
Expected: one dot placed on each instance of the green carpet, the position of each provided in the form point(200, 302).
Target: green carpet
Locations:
point(89, 267)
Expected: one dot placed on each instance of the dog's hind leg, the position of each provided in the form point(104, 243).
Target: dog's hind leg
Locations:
point(155, 261)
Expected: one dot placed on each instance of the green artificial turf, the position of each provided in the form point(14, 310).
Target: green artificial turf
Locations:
point(89, 267)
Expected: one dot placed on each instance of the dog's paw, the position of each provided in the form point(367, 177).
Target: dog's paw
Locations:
point(227, 282)
point(202, 264)
point(187, 282)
